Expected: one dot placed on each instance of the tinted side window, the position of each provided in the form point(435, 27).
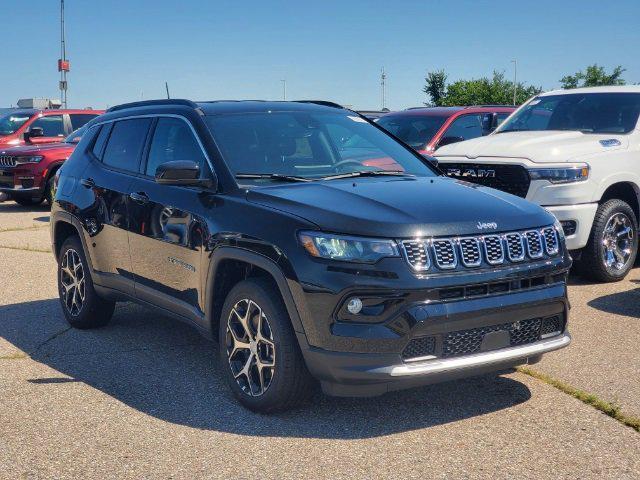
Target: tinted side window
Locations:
point(126, 143)
point(466, 127)
point(100, 142)
point(52, 126)
point(173, 140)
point(79, 119)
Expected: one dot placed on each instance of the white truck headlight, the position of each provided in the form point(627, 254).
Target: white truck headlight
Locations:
point(346, 248)
point(576, 173)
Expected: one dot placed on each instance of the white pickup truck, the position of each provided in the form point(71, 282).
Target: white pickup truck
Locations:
point(577, 153)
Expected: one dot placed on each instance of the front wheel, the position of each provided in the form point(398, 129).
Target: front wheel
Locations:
point(613, 243)
point(259, 351)
point(81, 305)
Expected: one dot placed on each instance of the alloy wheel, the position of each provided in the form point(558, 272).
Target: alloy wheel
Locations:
point(617, 240)
point(250, 348)
point(72, 281)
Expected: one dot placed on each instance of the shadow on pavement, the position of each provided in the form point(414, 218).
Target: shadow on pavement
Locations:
point(621, 303)
point(44, 219)
point(167, 370)
point(10, 206)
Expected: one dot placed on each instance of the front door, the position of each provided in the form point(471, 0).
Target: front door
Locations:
point(167, 226)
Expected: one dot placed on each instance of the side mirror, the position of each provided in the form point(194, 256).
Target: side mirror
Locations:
point(449, 140)
point(183, 173)
point(34, 132)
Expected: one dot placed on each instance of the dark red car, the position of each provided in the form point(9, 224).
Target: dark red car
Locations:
point(27, 172)
point(20, 126)
point(426, 129)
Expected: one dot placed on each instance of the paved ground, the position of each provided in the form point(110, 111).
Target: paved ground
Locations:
point(143, 398)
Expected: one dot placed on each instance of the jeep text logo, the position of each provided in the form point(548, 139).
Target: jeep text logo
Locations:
point(487, 225)
point(471, 172)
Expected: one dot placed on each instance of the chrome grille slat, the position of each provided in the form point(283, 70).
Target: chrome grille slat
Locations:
point(515, 246)
point(550, 240)
point(444, 254)
point(492, 249)
point(7, 161)
point(470, 252)
point(534, 244)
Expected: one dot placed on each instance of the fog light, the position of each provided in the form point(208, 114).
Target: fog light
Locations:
point(354, 306)
point(569, 227)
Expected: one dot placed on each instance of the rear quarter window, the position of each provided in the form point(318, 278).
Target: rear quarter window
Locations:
point(125, 144)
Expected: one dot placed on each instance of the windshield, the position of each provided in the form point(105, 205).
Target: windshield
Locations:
point(11, 123)
point(415, 131)
point(309, 145)
point(584, 112)
point(76, 135)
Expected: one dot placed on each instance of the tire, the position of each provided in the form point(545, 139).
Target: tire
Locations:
point(287, 383)
point(48, 191)
point(27, 201)
point(81, 311)
point(608, 223)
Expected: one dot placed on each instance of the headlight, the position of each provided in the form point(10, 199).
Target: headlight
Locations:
point(561, 175)
point(22, 160)
point(349, 249)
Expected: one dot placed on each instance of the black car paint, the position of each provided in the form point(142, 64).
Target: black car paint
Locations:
point(176, 269)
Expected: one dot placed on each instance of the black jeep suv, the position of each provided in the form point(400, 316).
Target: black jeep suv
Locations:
point(311, 243)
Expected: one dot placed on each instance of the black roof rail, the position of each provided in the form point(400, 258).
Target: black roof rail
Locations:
point(150, 103)
point(322, 102)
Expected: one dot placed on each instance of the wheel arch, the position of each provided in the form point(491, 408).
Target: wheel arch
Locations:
point(229, 266)
point(626, 191)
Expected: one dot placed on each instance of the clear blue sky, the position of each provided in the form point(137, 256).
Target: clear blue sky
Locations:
point(122, 50)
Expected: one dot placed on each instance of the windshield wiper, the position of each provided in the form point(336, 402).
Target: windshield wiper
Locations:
point(369, 173)
point(274, 176)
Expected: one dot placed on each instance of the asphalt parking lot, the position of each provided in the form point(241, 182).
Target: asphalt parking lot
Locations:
point(143, 398)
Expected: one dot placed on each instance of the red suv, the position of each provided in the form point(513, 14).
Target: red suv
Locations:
point(27, 172)
point(21, 126)
point(426, 129)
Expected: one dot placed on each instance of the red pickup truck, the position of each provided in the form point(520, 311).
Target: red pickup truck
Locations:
point(27, 172)
point(20, 126)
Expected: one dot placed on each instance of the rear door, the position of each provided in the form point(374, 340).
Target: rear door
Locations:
point(167, 224)
point(53, 129)
point(118, 152)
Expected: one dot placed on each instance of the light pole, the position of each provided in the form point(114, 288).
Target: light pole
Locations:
point(284, 89)
point(383, 78)
point(63, 64)
point(515, 80)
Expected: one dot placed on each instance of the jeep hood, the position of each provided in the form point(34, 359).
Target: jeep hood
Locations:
point(537, 146)
point(37, 149)
point(401, 207)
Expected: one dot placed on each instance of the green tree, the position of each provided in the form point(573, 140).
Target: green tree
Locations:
point(435, 87)
point(594, 76)
point(481, 91)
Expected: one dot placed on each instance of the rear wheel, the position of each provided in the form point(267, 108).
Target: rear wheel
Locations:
point(613, 243)
point(81, 305)
point(259, 351)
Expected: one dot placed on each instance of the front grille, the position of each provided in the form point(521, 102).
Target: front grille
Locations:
point(551, 326)
point(512, 179)
point(534, 243)
point(467, 342)
point(493, 249)
point(445, 254)
point(420, 347)
point(7, 161)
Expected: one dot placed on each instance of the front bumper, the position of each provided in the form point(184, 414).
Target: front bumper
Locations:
point(363, 375)
point(583, 215)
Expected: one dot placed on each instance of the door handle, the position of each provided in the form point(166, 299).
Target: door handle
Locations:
point(139, 197)
point(88, 182)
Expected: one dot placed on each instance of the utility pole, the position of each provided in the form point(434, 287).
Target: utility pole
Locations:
point(383, 78)
point(284, 89)
point(63, 64)
point(515, 80)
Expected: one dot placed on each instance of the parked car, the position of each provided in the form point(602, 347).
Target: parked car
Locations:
point(429, 128)
point(374, 114)
point(576, 153)
point(27, 172)
point(20, 126)
point(243, 219)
